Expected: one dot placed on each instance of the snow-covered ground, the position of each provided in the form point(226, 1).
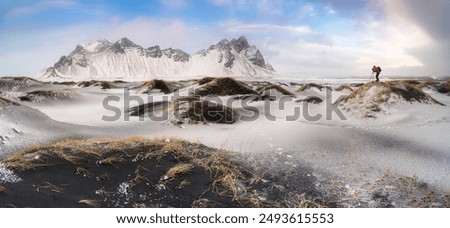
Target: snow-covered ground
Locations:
point(411, 139)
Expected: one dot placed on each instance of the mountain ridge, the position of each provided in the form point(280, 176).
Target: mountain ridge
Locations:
point(124, 59)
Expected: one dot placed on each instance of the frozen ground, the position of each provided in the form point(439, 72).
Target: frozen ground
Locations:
point(411, 139)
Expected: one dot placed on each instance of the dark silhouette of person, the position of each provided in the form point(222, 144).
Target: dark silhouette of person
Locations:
point(377, 70)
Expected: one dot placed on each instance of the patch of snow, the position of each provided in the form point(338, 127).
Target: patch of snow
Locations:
point(7, 175)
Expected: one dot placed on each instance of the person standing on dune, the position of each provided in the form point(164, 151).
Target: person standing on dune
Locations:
point(377, 70)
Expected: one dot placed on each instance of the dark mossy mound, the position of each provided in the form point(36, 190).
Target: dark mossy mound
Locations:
point(224, 87)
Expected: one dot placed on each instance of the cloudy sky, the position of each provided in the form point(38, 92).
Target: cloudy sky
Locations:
point(304, 38)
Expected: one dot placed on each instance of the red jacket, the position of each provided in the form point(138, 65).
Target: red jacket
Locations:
point(376, 69)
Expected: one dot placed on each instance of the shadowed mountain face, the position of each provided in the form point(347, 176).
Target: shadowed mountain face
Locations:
point(125, 59)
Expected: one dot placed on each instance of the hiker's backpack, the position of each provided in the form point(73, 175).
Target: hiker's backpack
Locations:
point(379, 69)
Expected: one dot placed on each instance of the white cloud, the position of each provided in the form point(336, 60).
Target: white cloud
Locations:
point(30, 52)
point(431, 18)
point(40, 5)
point(397, 43)
point(239, 27)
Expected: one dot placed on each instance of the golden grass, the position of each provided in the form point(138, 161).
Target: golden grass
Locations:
point(49, 186)
point(402, 89)
point(162, 85)
point(342, 87)
point(311, 85)
point(102, 84)
point(200, 203)
point(178, 170)
point(306, 203)
point(410, 190)
point(6, 102)
point(184, 183)
point(84, 172)
point(110, 161)
point(224, 87)
point(224, 173)
point(91, 202)
point(311, 99)
point(205, 80)
point(138, 176)
point(445, 87)
point(275, 87)
point(103, 192)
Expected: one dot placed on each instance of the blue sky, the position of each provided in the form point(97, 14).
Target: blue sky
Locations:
point(305, 38)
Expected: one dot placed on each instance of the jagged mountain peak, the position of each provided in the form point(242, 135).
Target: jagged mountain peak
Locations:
point(121, 45)
point(96, 45)
point(240, 44)
point(126, 42)
point(125, 59)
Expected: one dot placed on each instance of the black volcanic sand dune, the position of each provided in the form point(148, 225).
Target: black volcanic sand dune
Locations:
point(138, 172)
point(224, 87)
point(192, 110)
point(161, 85)
point(278, 88)
point(43, 95)
point(344, 87)
point(14, 83)
point(95, 83)
point(5, 102)
point(312, 99)
point(205, 80)
point(375, 97)
point(70, 83)
point(428, 84)
point(445, 87)
point(312, 85)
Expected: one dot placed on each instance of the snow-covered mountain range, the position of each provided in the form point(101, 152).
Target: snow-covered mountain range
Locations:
point(124, 59)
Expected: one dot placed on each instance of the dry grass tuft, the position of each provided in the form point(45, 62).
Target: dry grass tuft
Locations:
point(224, 87)
point(49, 186)
point(312, 85)
point(138, 176)
point(275, 87)
point(84, 172)
point(312, 99)
point(90, 202)
point(2, 189)
point(373, 97)
point(178, 170)
point(38, 95)
point(21, 79)
point(162, 85)
point(405, 191)
point(206, 111)
point(6, 102)
point(303, 202)
point(102, 84)
point(205, 80)
point(110, 161)
point(427, 84)
point(184, 183)
point(342, 87)
point(445, 87)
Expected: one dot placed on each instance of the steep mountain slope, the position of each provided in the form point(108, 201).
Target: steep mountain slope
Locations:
point(102, 59)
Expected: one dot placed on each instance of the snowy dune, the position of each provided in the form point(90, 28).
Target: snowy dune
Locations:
point(402, 138)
